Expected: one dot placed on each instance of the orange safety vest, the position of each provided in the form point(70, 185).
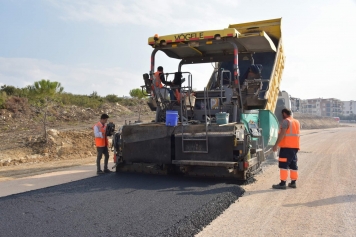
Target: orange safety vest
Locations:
point(177, 95)
point(158, 79)
point(101, 142)
point(291, 139)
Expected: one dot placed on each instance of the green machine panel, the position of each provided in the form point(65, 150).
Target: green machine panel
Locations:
point(270, 126)
point(250, 117)
point(266, 120)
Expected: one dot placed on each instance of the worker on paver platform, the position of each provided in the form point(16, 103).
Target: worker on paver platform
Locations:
point(288, 141)
point(101, 143)
point(159, 79)
point(176, 84)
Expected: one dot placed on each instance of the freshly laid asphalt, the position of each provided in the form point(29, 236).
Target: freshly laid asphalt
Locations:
point(124, 204)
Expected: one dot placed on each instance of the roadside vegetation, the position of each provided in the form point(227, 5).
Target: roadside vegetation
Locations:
point(45, 99)
point(11, 96)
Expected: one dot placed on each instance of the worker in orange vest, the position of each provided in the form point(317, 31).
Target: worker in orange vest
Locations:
point(288, 141)
point(101, 143)
point(159, 79)
point(176, 84)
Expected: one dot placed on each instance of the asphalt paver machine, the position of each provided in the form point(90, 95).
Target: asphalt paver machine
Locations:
point(225, 130)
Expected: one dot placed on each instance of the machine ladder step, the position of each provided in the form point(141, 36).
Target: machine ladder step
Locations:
point(194, 139)
point(205, 163)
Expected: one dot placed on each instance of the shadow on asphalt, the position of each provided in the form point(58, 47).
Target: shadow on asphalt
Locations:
point(132, 182)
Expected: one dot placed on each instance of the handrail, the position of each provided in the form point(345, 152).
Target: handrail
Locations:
point(221, 85)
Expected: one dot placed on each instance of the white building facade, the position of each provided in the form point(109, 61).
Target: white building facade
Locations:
point(322, 107)
point(311, 106)
point(349, 108)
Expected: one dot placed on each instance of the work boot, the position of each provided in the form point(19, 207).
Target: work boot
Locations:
point(292, 185)
point(99, 172)
point(107, 171)
point(279, 186)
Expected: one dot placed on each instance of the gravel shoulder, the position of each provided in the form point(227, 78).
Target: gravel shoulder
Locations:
point(324, 203)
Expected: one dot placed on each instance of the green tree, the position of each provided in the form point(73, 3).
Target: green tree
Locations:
point(137, 93)
point(44, 93)
point(9, 90)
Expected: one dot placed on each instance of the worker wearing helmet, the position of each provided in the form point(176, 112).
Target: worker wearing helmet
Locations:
point(101, 143)
point(288, 141)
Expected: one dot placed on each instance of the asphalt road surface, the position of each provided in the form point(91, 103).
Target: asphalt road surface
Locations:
point(324, 203)
point(117, 205)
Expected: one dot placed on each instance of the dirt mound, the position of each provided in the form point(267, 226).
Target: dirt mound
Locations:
point(69, 129)
point(315, 122)
point(61, 145)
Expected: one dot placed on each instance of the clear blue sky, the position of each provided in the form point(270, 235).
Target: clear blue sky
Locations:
point(101, 45)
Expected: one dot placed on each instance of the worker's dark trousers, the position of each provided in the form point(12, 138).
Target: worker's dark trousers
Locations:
point(288, 160)
point(101, 151)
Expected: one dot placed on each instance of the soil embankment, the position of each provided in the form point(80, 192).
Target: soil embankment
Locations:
point(315, 122)
point(70, 132)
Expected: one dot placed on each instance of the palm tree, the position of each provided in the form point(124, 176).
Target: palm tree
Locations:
point(45, 91)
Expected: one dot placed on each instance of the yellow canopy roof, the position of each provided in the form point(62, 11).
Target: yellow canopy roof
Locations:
point(271, 27)
point(260, 36)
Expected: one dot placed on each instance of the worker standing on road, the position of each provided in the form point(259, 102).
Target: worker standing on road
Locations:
point(288, 141)
point(101, 143)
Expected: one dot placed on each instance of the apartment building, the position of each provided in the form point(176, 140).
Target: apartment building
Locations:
point(349, 108)
point(310, 106)
point(322, 107)
point(331, 107)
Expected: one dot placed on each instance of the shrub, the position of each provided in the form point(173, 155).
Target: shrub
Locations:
point(80, 100)
point(112, 98)
point(17, 104)
point(128, 101)
point(3, 98)
point(9, 90)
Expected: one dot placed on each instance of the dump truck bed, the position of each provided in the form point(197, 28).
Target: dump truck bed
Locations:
point(273, 29)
